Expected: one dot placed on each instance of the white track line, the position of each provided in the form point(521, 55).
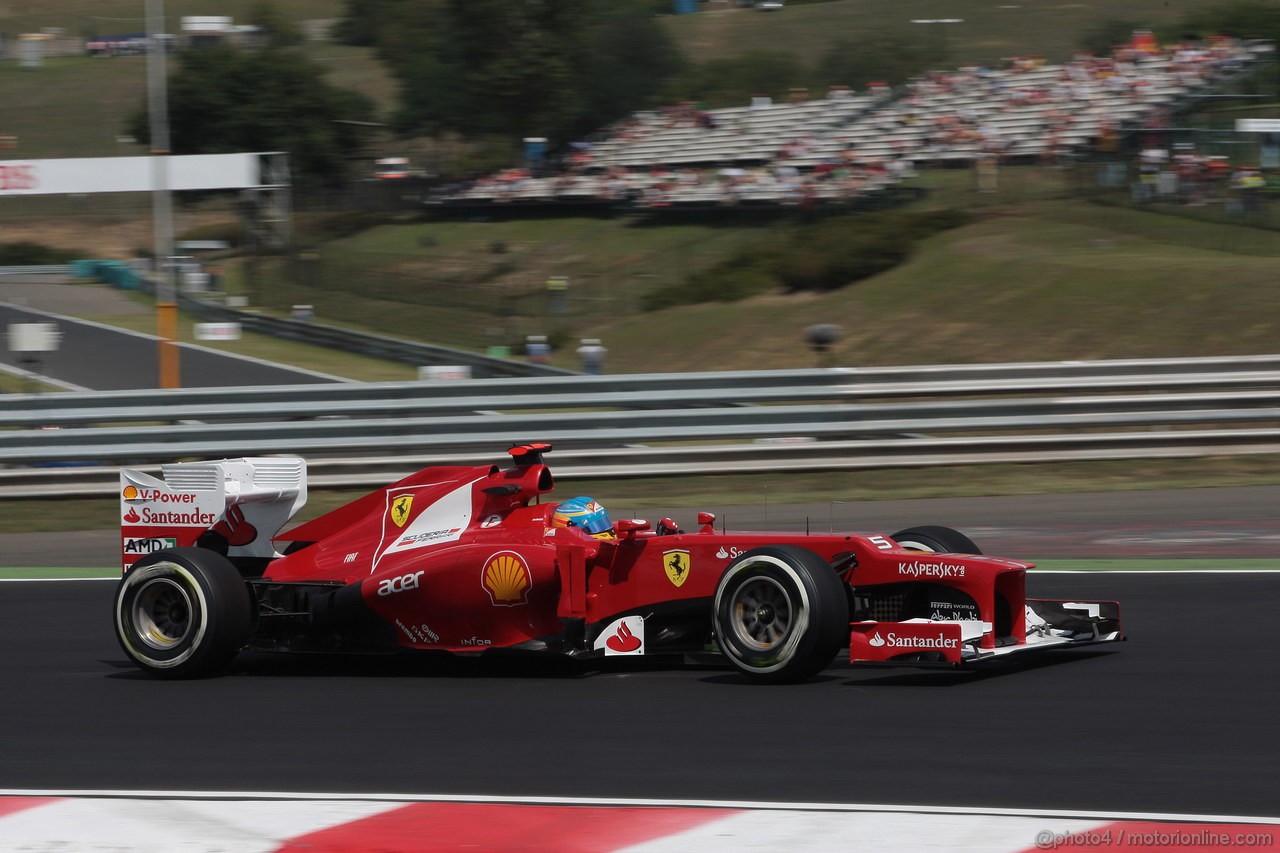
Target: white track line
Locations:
point(755, 805)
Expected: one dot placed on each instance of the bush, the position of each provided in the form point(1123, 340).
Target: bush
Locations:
point(728, 281)
point(334, 226)
point(827, 255)
point(27, 253)
point(231, 233)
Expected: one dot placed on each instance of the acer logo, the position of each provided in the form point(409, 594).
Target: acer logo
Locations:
point(404, 583)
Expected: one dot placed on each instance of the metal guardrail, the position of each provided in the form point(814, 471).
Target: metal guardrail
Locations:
point(638, 391)
point(316, 334)
point(375, 346)
point(662, 424)
point(45, 269)
point(793, 456)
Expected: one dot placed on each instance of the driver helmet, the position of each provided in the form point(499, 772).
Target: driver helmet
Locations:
point(586, 514)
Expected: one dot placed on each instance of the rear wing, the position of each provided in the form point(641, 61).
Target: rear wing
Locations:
point(246, 501)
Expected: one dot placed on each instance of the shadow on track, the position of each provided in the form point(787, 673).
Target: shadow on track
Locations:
point(947, 677)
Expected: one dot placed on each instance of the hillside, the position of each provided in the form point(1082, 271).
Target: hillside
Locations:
point(76, 106)
point(1037, 276)
point(981, 33)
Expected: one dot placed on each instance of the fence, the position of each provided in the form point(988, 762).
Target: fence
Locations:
point(661, 425)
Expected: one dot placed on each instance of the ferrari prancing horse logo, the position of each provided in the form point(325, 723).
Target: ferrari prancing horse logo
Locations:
point(676, 565)
point(400, 510)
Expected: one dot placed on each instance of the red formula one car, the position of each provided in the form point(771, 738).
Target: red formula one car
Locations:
point(470, 560)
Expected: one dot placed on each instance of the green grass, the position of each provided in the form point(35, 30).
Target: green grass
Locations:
point(11, 384)
point(1037, 276)
point(78, 106)
point(989, 32)
point(334, 362)
point(104, 17)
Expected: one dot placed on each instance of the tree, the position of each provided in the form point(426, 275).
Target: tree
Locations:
point(279, 30)
point(1101, 37)
point(516, 67)
point(223, 101)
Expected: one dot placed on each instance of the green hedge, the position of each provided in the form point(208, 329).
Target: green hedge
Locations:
point(827, 255)
point(35, 254)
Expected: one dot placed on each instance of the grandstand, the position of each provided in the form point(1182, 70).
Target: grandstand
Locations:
point(847, 146)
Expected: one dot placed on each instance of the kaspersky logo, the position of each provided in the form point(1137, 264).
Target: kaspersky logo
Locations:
point(893, 641)
point(919, 569)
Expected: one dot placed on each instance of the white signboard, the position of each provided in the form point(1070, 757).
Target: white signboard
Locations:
point(217, 331)
point(128, 174)
point(1258, 125)
point(444, 372)
point(33, 337)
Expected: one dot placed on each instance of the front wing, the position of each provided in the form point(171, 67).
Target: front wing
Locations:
point(1047, 624)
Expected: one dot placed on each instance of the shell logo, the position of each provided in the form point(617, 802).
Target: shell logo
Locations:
point(130, 493)
point(507, 579)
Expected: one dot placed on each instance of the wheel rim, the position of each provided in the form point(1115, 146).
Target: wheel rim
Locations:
point(162, 613)
point(763, 614)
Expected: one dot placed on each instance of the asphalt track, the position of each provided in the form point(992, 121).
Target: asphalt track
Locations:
point(102, 358)
point(1181, 718)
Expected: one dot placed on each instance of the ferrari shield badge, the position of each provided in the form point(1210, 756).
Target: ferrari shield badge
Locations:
point(400, 510)
point(676, 564)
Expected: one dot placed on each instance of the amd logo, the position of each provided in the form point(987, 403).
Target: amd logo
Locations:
point(404, 583)
point(146, 546)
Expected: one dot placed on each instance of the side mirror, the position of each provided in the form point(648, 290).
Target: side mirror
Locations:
point(627, 527)
point(707, 521)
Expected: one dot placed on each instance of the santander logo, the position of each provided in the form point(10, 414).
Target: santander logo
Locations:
point(623, 641)
point(894, 641)
point(624, 636)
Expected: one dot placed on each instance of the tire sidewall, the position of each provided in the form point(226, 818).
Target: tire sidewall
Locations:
point(817, 629)
point(219, 614)
point(935, 539)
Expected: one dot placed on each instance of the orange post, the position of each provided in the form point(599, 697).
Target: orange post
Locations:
point(167, 329)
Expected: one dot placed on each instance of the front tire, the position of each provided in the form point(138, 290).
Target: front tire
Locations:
point(780, 614)
point(935, 540)
point(182, 612)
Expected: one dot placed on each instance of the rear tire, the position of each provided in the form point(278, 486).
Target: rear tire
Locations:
point(934, 539)
point(183, 612)
point(780, 614)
